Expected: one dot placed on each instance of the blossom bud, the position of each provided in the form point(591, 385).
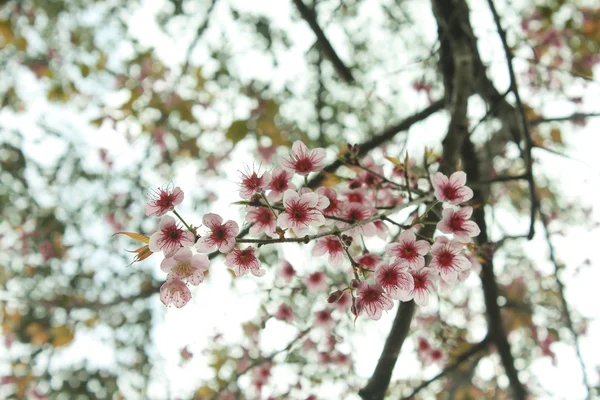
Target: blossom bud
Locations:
point(335, 296)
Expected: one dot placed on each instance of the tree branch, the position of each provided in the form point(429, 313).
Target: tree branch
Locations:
point(323, 43)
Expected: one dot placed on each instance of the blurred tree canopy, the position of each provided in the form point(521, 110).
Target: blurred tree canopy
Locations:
point(100, 100)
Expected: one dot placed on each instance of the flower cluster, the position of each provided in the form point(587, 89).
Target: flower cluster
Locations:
point(337, 218)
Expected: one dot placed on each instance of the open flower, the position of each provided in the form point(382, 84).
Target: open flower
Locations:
point(457, 222)
point(335, 206)
point(448, 259)
point(280, 182)
point(253, 183)
point(301, 212)
point(373, 300)
point(324, 320)
point(263, 221)
point(453, 189)
point(316, 282)
point(284, 313)
point(244, 261)
point(394, 279)
point(169, 237)
point(330, 245)
point(303, 162)
point(175, 291)
point(409, 250)
point(162, 201)
point(287, 271)
point(222, 235)
point(185, 265)
point(358, 212)
point(425, 284)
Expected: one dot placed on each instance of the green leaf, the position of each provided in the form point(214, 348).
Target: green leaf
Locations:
point(237, 131)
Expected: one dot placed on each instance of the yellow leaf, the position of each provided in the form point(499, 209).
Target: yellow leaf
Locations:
point(394, 160)
point(6, 33)
point(62, 336)
point(556, 136)
point(135, 236)
point(142, 253)
point(237, 131)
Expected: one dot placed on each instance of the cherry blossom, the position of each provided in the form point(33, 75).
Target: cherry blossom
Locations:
point(300, 212)
point(323, 319)
point(222, 235)
point(169, 237)
point(163, 201)
point(253, 183)
point(263, 221)
point(344, 302)
point(330, 245)
point(316, 282)
point(358, 212)
point(280, 182)
point(425, 284)
point(394, 279)
point(373, 300)
point(284, 313)
point(448, 259)
point(335, 206)
point(175, 291)
point(185, 265)
point(453, 189)
point(244, 261)
point(368, 260)
point(457, 223)
point(287, 271)
point(303, 162)
point(408, 249)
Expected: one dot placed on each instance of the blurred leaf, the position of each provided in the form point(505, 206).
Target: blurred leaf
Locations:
point(62, 336)
point(6, 33)
point(237, 131)
point(135, 236)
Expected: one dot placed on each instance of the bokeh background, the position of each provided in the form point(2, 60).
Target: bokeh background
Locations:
point(102, 101)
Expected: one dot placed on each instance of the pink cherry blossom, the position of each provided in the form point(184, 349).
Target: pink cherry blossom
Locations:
point(343, 303)
point(457, 223)
point(335, 206)
point(175, 291)
point(408, 249)
point(359, 196)
point(303, 162)
point(368, 260)
point(382, 229)
point(284, 313)
point(253, 183)
point(263, 221)
point(323, 319)
point(330, 245)
point(266, 153)
point(425, 284)
point(448, 259)
point(169, 237)
point(280, 182)
point(244, 261)
point(316, 282)
point(373, 300)
point(323, 202)
point(163, 201)
point(287, 271)
point(222, 235)
point(358, 212)
point(394, 279)
point(185, 265)
point(453, 189)
point(300, 212)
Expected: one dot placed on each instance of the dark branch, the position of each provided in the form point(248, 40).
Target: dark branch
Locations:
point(570, 118)
point(323, 43)
point(525, 126)
point(465, 356)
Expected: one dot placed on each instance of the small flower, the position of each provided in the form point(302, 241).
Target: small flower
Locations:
point(425, 284)
point(244, 261)
point(316, 282)
point(394, 279)
point(452, 190)
point(280, 182)
point(368, 260)
point(409, 250)
point(185, 265)
point(252, 183)
point(335, 206)
point(266, 153)
point(162, 201)
point(222, 235)
point(300, 212)
point(303, 162)
point(373, 300)
point(287, 271)
point(332, 246)
point(343, 303)
point(169, 237)
point(457, 222)
point(448, 259)
point(323, 319)
point(174, 291)
point(358, 212)
point(284, 313)
point(263, 221)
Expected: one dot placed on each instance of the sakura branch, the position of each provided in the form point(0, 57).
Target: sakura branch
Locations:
point(337, 218)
